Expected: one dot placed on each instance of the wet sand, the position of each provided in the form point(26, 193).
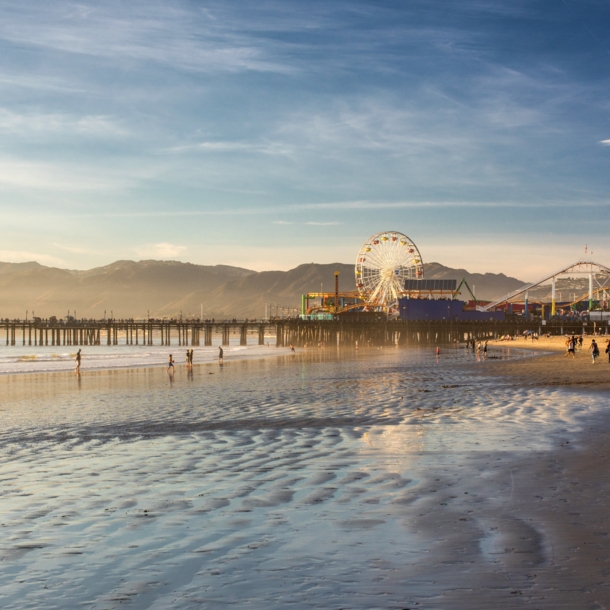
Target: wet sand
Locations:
point(387, 479)
point(555, 369)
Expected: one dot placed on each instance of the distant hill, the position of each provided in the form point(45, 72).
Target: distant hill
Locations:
point(166, 288)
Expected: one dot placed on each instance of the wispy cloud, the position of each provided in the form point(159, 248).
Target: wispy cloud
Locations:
point(313, 223)
point(67, 178)
point(21, 256)
point(331, 206)
point(146, 32)
point(160, 250)
point(16, 123)
point(322, 224)
point(397, 205)
point(605, 142)
point(73, 249)
point(267, 148)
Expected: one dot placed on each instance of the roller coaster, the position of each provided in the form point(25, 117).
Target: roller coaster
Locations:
point(594, 271)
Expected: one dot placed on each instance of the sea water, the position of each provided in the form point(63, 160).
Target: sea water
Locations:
point(47, 358)
point(271, 483)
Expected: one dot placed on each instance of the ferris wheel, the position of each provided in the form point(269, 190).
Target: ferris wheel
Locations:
point(384, 262)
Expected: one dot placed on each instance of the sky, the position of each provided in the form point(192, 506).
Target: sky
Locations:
point(270, 134)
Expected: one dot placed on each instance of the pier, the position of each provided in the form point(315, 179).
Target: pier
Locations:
point(296, 331)
point(418, 332)
point(132, 332)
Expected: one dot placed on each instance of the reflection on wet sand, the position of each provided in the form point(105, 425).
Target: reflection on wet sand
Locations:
point(372, 480)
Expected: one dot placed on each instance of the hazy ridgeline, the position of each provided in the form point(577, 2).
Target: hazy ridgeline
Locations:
point(168, 288)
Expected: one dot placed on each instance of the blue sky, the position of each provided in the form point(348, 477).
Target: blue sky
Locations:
point(268, 134)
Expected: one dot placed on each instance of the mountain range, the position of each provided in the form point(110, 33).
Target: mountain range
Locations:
point(127, 289)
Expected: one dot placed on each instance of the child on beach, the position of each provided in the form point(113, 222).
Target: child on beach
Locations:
point(170, 365)
point(77, 360)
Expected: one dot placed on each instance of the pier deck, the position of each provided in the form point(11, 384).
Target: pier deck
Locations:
point(285, 331)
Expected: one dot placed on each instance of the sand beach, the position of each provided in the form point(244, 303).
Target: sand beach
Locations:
point(383, 478)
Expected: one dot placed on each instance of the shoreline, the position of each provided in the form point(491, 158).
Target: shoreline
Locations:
point(243, 353)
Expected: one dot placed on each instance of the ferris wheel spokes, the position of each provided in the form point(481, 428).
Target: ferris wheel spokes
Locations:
point(384, 262)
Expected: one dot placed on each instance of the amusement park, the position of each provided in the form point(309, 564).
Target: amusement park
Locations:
point(390, 283)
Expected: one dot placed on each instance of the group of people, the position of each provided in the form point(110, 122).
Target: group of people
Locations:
point(480, 348)
point(171, 365)
point(573, 343)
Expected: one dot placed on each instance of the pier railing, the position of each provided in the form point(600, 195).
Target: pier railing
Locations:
point(282, 332)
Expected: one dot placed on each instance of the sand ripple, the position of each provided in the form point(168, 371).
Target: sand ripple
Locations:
point(308, 483)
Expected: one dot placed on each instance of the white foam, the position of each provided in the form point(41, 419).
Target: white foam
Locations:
point(45, 359)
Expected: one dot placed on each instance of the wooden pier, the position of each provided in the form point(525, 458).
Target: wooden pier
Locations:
point(284, 331)
point(418, 332)
point(130, 332)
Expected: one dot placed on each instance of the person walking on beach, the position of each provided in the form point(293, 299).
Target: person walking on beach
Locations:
point(580, 340)
point(594, 349)
point(77, 360)
point(485, 349)
point(571, 347)
point(188, 359)
point(191, 358)
point(292, 349)
point(220, 355)
point(170, 365)
point(608, 349)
